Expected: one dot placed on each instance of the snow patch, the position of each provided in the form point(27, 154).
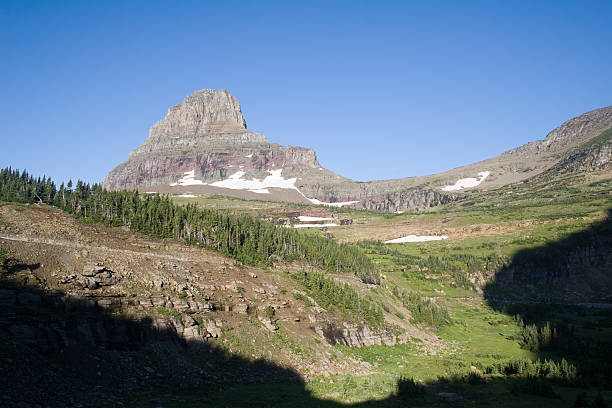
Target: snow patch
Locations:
point(306, 218)
point(342, 204)
point(151, 192)
point(315, 225)
point(416, 238)
point(186, 195)
point(467, 182)
point(274, 180)
point(188, 180)
point(248, 156)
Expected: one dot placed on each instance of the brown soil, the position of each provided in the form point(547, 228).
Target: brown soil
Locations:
point(151, 271)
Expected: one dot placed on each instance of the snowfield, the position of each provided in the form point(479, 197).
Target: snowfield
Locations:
point(236, 182)
point(306, 218)
point(188, 180)
point(315, 225)
point(467, 182)
point(275, 179)
point(416, 238)
point(317, 202)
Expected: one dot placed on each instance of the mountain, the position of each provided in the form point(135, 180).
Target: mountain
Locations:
point(203, 145)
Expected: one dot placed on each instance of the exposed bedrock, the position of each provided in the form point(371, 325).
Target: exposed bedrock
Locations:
point(207, 134)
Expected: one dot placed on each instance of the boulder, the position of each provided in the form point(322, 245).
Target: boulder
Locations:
point(241, 308)
point(188, 321)
point(212, 328)
point(89, 283)
point(92, 270)
point(267, 323)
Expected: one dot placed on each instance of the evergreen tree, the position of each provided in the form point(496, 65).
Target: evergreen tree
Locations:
point(244, 238)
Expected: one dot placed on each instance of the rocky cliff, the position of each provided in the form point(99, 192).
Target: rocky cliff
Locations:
point(203, 145)
point(206, 134)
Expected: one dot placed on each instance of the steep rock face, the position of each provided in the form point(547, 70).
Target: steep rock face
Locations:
point(203, 112)
point(206, 134)
point(595, 155)
point(575, 131)
point(417, 198)
point(542, 154)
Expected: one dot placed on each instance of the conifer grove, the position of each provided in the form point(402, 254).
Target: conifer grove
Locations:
point(244, 238)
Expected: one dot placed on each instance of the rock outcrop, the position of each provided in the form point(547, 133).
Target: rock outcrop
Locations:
point(354, 335)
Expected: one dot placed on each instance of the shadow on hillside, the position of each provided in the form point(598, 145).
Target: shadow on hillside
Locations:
point(62, 351)
point(575, 269)
point(58, 350)
point(562, 294)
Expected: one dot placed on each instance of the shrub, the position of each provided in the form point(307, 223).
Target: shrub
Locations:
point(333, 296)
point(408, 388)
point(170, 313)
point(269, 311)
point(299, 296)
point(2, 259)
point(424, 310)
point(534, 386)
point(473, 378)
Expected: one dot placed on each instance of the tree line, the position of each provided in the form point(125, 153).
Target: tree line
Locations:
point(242, 237)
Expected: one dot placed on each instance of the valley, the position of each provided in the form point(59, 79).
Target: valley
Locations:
point(215, 268)
point(236, 331)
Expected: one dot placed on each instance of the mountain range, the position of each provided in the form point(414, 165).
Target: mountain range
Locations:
point(203, 145)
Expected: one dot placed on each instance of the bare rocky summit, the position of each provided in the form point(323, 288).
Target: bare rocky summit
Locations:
point(204, 145)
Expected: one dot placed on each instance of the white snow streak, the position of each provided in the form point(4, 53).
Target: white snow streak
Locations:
point(342, 204)
point(416, 238)
point(306, 218)
point(188, 180)
point(315, 225)
point(236, 182)
point(274, 180)
point(467, 182)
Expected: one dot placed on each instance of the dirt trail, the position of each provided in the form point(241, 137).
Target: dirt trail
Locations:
point(75, 245)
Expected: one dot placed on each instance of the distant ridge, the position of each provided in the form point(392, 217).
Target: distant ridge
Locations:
point(203, 145)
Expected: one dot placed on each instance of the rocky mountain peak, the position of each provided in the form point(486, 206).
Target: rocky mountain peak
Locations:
point(203, 146)
point(579, 129)
point(204, 112)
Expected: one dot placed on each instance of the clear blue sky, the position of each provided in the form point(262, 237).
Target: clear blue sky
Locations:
point(380, 89)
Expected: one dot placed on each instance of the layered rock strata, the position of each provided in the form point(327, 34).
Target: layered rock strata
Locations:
point(206, 138)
